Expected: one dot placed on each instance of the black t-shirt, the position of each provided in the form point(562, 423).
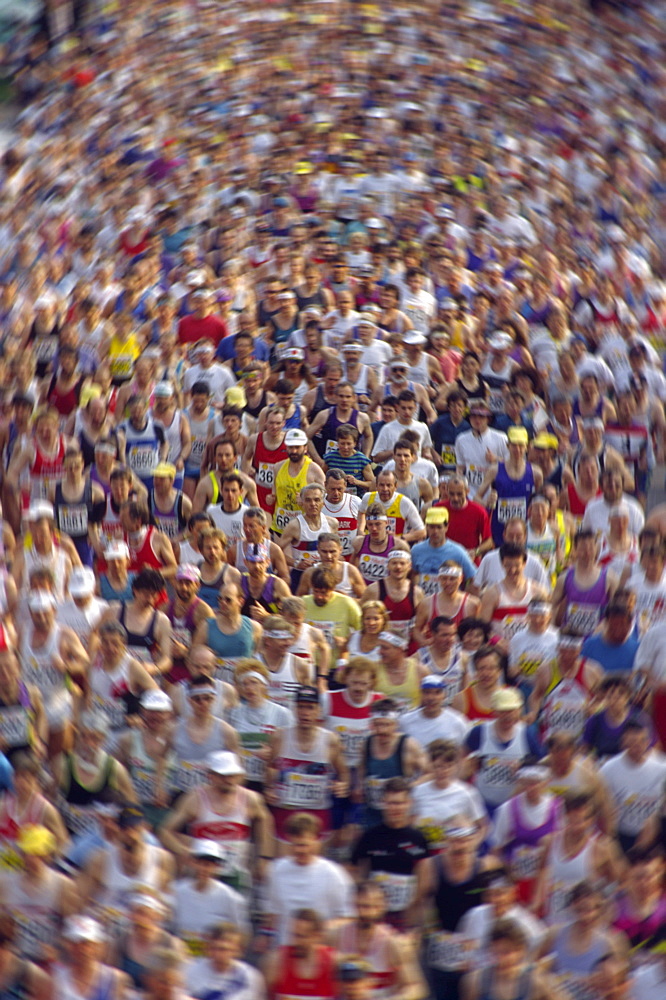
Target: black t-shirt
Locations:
point(394, 851)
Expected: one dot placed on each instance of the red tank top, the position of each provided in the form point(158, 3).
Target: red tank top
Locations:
point(144, 557)
point(65, 402)
point(48, 467)
point(457, 618)
point(265, 460)
point(472, 709)
point(290, 985)
point(576, 505)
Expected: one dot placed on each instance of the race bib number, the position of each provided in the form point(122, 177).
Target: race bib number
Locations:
point(143, 781)
point(399, 890)
point(307, 790)
point(528, 666)
point(636, 810)
point(121, 366)
point(576, 987)
point(226, 668)
point(352, 743)
point(265, 475)
point(428, 584)
point(583, 618)
point(525, 863)
point(373, 791)
point(449, 952)
point(498, 773)
point(328, 629)
point(141, 459)
point(283, 517)
point(114, 711)
point(475, 476)
point(189, 774)
point(78, 819)
point(331, 446)
point(45, 349)
point(372, 569)
point(496, 401)
point(14, 726)
point(255, 768)
point(448, 454)
point(513, 507)
point(73, 520)
point(33, 934)
point(568, 718)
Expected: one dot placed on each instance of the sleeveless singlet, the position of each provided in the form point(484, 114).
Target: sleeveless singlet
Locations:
point(377, 773)
point(565, 873)
point(584, 607)
point(291, 986)
point(287, 490)
point(77, 801)
point(304, 779)
point(264, 461)
point(407, 693)
point(402, 613)
point(283, 683)
point(190, 768)
point(229, 649)
point(210, 592)
point(513, 498)
point(141, 645)
point(374, 565)
point(230, 830)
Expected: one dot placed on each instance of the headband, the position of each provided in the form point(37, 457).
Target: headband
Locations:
point(569, 642)
point(386, 715)
point(201, 690)
point(393, 639)
point(278, 633)
point(376, 517)
point(256, 675)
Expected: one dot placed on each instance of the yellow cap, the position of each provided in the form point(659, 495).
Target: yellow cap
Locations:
point(517, 435)
point(165, 469)
point(36, 840)
point(437, 515)
point(88, 392)
point(235, 396)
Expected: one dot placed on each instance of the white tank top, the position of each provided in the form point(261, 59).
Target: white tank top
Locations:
point(231, 830)
point(304, 776)
point(306, 546)
point(108, 688)
point(419, 373)
point(565, 873)
point(495, 779)
point(36, 913)
point(57, 562)
point(283, 683)
point(191, 756)
point(199, 431)
point(37, 666)
point(172, 435)
point(143, 768)
point(345, 587)
point(119, 887)
point(302, 648)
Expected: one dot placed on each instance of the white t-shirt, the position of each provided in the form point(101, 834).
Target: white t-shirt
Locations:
point(528, 650)
point(490, 571)
point(471, 450)
point(650, 598)
point(480, 920)
point(241, 982)
point(194, 912)
point(420, 307)
point(321, 885)
point(636, 790)
point(393, 431)
point(422, 468)
point(433, 808)
point(651, 654)
point(217, 378)
point(448, 725)
point(597, 511)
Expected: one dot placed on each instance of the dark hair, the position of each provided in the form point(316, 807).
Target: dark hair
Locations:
point(508, 550)
point(200, 388)
point(323, 578)
point(440, 620)
point(396, 786)
point(407, 396)
point(148, 579)
point(470, 625)
point(284, 387)
point(508, 930)
point(487, 650)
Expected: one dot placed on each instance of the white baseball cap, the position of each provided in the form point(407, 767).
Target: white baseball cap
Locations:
point(82, 582)
point(295, 436)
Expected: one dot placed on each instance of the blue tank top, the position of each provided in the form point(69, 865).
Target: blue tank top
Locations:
point(294, 420)
point(238, 644)
point(377, 773)
point(513, 497)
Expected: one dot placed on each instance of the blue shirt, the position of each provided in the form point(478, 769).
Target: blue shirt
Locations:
point(225, 349)
point(614, 659)
point(6, 772)
point(427, 559)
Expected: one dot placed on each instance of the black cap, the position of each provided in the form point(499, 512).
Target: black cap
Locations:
point(352, 969)
point(130, 816)
point(308, 694)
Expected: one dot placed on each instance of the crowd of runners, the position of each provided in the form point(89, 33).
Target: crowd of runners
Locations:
point(333, 608)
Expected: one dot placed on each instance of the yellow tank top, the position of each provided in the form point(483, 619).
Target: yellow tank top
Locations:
point(395, 519)
point(122, 355)
point(566, 538)
point(287, 489)
point(408, 694)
